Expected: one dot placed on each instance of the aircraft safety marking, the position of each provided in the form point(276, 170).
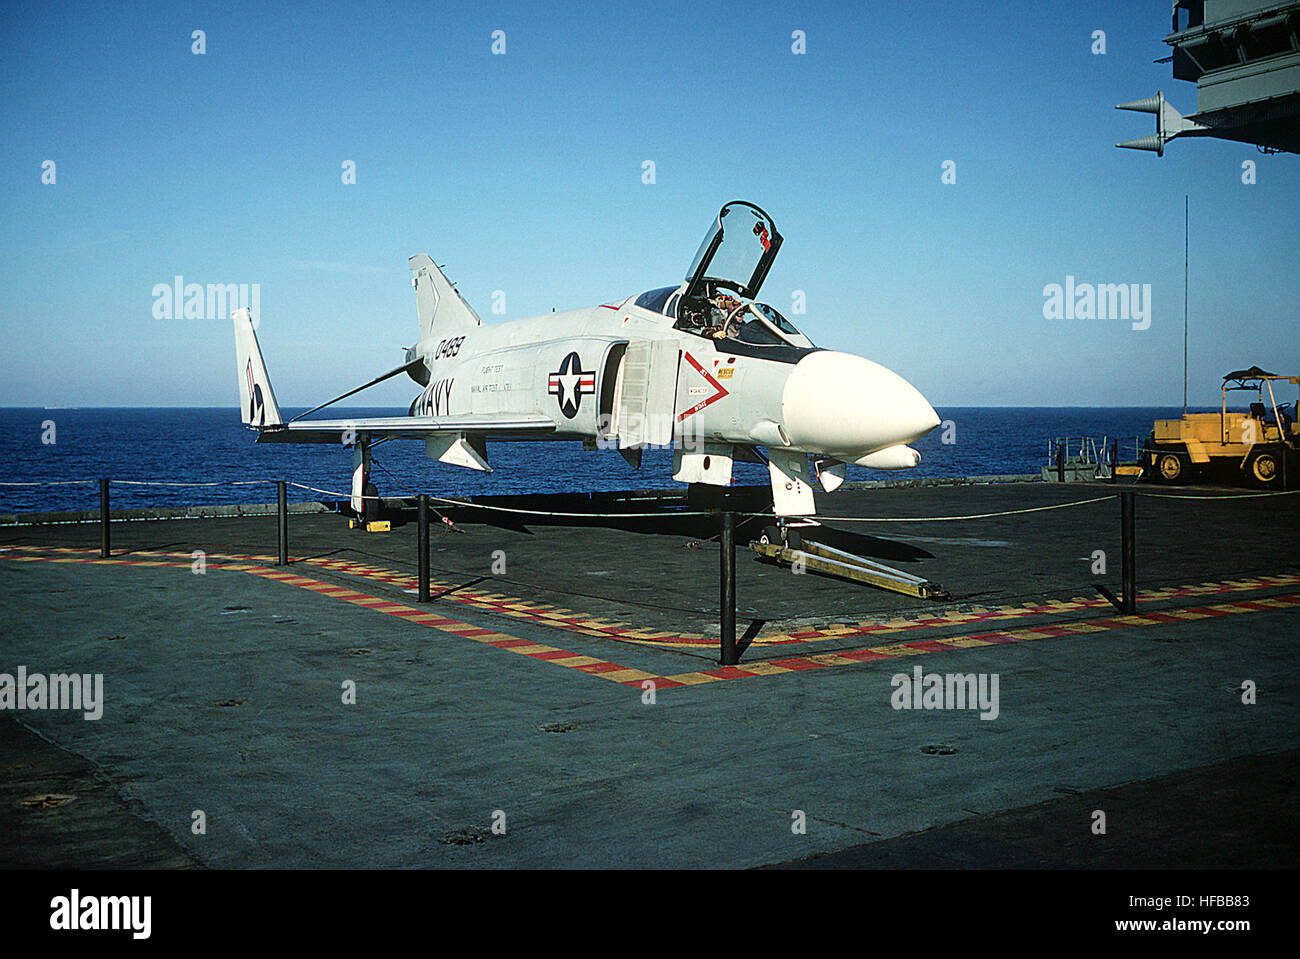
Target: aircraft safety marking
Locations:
point(587, 625)
point(422, 617)
point(721, 390)
point(635, 677)
point(849, 657)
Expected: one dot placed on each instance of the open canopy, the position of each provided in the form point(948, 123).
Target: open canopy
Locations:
point(736, 253)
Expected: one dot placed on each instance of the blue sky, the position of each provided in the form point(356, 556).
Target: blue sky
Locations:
point(523, 173)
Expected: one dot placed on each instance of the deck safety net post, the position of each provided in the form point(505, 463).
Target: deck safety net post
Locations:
point(105, 544)
point(1127, 500)
point(282, 521)
point(422, 546)
point(727, 542)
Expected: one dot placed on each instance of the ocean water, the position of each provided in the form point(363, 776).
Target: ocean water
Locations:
point(206, 445)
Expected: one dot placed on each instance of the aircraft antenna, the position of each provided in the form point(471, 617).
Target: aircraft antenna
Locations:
point(1185, 223)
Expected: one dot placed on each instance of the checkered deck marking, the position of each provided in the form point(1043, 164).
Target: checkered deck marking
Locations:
point(587, 625)
point(421, 617)
point(848, 657)
point(635, 677)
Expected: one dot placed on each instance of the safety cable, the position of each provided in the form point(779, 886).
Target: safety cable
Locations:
point(51, 483)
point(651, 515)
point(1290, 492)
point(944, 519)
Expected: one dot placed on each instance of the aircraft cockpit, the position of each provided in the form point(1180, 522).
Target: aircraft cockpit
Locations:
point(761, 325)
point(726, 316)
point(717, 298)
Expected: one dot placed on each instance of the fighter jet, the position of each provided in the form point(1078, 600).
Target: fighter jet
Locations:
point(702, 366)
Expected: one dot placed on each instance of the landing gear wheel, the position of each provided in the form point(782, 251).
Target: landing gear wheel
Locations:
point(370, 505)
point(1263, 469)
point(1170, 468)
point(775, 536)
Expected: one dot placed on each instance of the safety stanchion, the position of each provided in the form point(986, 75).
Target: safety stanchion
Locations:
point(422, 546)
point(282, 516)
point(727, 542)
point(105, 541)
point(1129, 543)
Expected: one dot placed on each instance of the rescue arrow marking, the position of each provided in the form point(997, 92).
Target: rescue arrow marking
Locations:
point(721, 390)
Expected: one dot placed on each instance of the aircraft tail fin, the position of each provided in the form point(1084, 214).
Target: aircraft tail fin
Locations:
point(443, 311)
point(257, 400)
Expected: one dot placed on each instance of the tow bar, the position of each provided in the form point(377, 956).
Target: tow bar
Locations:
point(820, 558)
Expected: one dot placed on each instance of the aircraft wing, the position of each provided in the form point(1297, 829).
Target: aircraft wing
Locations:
point(404, 427)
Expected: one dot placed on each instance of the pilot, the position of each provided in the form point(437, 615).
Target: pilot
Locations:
point(731, 330)
point(722, 306)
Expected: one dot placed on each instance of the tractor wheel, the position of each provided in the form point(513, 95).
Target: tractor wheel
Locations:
point(1170, 468)
point(1263, 469)
point(771, 535)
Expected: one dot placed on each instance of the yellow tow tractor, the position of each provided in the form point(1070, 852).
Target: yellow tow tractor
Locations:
point(1258, 447)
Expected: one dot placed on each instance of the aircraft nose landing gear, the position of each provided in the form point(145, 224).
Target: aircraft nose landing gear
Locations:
point(781, 534)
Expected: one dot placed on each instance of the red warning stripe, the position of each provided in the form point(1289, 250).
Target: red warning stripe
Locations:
point(721, 390)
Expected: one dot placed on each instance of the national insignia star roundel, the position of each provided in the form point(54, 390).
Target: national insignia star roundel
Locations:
point(570, 383)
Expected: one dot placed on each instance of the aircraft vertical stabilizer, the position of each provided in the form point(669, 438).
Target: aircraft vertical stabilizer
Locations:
point(443, 311)
point(257, 400)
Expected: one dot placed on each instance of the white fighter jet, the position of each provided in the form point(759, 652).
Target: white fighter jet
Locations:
point(702, 366)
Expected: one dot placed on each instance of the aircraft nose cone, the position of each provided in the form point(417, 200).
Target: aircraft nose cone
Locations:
point(846, 406)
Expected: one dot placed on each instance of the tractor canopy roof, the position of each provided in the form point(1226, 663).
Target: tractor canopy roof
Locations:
point(1254, 373)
